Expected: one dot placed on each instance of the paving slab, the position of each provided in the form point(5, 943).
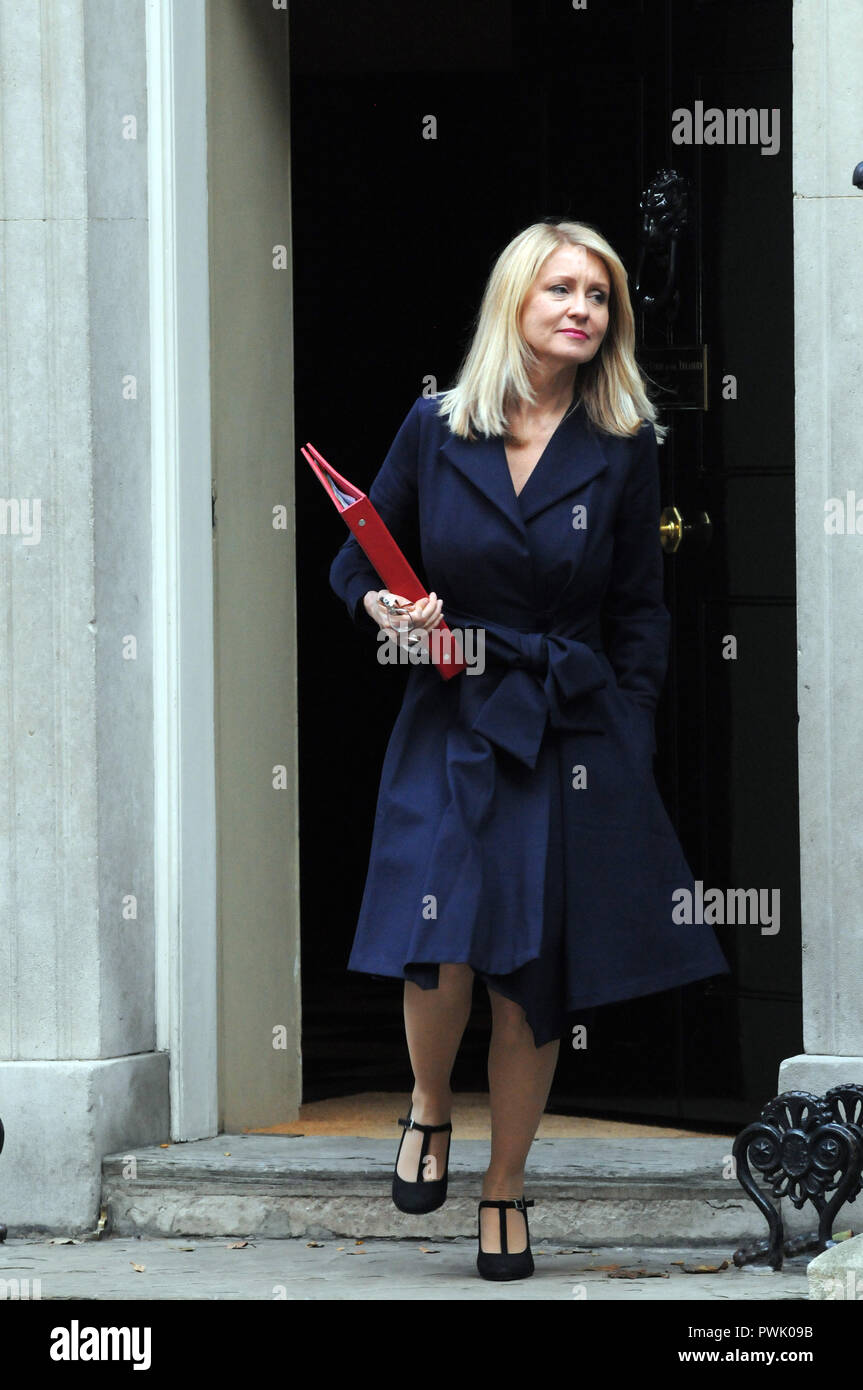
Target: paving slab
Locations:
point(299, 1270)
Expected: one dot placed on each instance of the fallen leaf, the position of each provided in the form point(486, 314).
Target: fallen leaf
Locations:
point(164, 1146)
point(315, 1244)
point(228, 1154)
point(64, 1240)
point(139, 1268)
point(638, 1274)
point(424, 1250)
point(238, 1245)
point(704, 1269)
point(359, 1242)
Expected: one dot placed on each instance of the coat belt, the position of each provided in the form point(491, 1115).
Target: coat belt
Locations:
point(546, 677)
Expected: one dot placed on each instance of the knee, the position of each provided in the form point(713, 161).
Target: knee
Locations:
point(507, 1016)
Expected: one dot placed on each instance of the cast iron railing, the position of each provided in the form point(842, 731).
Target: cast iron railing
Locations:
point(807, 1148)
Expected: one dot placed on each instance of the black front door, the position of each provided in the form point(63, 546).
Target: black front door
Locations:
point(421, 142)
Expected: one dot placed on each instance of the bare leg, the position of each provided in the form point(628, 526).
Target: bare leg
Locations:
point(519, 1079)
point(435, 1020)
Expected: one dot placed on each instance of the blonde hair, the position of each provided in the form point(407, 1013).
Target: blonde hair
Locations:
point(494, 373)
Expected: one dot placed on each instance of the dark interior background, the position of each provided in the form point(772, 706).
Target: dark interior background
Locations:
point(545, 111)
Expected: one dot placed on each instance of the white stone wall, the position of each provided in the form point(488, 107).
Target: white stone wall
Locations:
point(828, 257)
point(78, 1066)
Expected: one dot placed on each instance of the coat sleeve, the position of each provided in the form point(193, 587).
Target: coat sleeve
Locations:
point(394, 494)
point(637, 623)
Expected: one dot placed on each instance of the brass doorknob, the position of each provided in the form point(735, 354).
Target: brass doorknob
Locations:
point(672, 528)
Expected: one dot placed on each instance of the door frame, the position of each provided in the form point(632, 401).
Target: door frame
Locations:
point(185, 903)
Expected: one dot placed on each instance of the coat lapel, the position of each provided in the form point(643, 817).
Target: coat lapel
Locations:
point(572, 457)
point(483, 462)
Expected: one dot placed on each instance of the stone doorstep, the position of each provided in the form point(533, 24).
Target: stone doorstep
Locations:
point(589, 1191)
point(837, 1273)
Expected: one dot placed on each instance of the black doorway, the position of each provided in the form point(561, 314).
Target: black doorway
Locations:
point(544, 110)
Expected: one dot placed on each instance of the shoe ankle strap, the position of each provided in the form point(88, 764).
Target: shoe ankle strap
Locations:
point(426, 1129)
point(518, 1202)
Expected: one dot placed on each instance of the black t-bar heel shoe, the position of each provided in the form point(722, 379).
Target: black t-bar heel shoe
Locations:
point(504, 1265)
point(423, 1195)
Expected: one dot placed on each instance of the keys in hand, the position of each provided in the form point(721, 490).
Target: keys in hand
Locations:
point(400, 615)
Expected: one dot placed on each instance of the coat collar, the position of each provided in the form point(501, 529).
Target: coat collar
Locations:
point(571, 458)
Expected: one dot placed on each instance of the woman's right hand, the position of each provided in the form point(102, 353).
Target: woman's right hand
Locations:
point(424, 614)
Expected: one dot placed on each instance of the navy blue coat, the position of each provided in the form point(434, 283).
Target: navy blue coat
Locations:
point(519, 827)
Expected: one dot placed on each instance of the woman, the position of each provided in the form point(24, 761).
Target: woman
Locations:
point(519, 835)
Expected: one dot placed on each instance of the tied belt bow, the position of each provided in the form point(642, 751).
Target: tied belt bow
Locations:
point(541, 677)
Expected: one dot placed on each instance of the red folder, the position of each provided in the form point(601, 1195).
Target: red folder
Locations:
point(371, 532)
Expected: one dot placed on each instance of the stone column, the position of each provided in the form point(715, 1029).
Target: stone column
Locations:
point(828, 255)
point(80, 1073)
